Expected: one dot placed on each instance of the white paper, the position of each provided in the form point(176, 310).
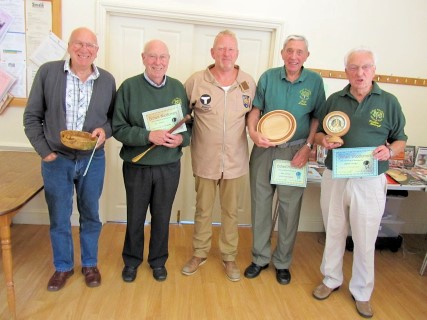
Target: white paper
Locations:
point(16, 9)
point(52, 48)
point(164, 118)
point(39, 23)
point(13, 60)
point(5, 22)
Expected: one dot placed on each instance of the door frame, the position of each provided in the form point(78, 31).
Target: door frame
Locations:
point(108, 8)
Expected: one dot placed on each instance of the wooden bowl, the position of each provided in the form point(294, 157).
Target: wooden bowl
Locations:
point(278, 126)
point(79, 140)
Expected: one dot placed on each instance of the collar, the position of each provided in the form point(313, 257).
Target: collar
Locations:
point(94, 74)
point(301, 78)
point(375, 90)
point(153, 83)
point(210, 78)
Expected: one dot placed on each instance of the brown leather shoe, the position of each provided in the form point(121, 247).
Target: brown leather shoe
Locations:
point(323, 292)
point(193, 265)
point(58, 280)
point(232, 270)
point(92, 276)
point(364, 309)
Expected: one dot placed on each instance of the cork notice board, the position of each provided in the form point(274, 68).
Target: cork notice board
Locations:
point(32, 21)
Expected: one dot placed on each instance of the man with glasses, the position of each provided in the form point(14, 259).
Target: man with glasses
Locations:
point(151, 181)
point(72, 95)
point(376, 120)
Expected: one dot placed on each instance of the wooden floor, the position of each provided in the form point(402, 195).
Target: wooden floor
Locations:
point(400, 292)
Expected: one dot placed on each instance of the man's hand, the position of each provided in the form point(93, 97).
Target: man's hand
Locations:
point(100, 134)
point(301, 157)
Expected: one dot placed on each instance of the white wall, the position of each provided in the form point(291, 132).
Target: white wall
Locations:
point(395, 29)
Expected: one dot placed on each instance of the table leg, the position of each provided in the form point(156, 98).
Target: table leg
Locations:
point(6, 247)
point(424, 265)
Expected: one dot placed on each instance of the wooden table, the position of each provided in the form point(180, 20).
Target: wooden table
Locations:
point(20, 181)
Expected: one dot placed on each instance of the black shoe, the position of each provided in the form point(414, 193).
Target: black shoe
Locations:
point(129, 273)
point(160, 273)
point(254, 270)
point(283, 276)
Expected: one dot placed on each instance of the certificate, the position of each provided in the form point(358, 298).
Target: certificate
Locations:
point(164, 118)
point(354, 163)
point(283, 173)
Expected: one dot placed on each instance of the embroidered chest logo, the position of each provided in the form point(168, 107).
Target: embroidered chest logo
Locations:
point(246, 101)
point(304, 96)
point(177, 100)
point(205, 100)
point(377, 116)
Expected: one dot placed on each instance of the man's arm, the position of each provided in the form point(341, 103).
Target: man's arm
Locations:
point(251, 122)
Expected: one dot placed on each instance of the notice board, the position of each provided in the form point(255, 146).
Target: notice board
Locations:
point(25, 28)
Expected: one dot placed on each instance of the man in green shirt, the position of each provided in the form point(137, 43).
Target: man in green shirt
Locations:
point(376, 120)
point(300, 92)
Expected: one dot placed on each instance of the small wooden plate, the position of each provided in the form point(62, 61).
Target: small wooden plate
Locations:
point(79, 140)
point(278, 126)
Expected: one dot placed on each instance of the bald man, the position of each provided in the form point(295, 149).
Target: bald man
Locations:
point(72, 95)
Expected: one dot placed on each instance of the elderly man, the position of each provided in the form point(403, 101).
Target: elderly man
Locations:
point(150, 181)
point(74, 95)
point(300, 92)
point(376, 120)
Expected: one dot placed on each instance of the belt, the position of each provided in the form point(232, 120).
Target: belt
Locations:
point(291, 144)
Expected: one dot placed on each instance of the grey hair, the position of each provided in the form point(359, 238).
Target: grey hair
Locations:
point(225, 33)
point(360, 49)
point(295, 37)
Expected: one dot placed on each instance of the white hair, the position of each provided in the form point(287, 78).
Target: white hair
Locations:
point(360, 49)
point(296, 37)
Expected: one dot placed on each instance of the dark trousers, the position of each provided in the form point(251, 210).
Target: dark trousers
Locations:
point(154, 187)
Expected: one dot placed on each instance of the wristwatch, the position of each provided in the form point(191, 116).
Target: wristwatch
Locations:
point(309, 145)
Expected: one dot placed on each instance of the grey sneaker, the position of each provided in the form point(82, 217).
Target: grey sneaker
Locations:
point(192, 265)
point(232, 270)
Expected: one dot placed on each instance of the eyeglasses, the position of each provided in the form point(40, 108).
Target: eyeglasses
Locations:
point(162, 57)
point(354, 68)
point(88, 45)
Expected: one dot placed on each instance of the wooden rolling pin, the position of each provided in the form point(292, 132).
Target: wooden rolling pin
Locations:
point(180, 123)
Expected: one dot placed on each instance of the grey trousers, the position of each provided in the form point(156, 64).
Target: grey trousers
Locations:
point(262, 193)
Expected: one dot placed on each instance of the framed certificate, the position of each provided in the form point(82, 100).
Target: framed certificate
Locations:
point(354, 163)
point(164, 118)
point(283, 173)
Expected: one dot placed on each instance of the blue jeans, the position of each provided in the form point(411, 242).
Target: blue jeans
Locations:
point(60, 177)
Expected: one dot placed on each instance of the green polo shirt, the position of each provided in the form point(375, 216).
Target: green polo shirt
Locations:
point(303, 97)
point(375, 120)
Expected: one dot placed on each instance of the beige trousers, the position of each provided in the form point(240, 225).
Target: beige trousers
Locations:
point(205, 200)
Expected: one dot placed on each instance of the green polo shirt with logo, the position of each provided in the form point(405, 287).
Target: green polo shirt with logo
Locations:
point(375, 120)
point(303, 97)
